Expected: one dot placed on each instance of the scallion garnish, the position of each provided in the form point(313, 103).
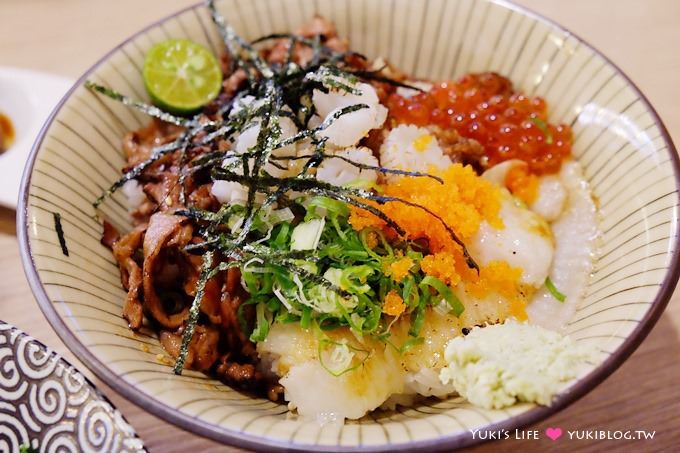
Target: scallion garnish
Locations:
point(543, 126)
point(554, 291)
point(444, 292)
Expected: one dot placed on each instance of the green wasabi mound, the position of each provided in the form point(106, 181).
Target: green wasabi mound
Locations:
point(499, 365)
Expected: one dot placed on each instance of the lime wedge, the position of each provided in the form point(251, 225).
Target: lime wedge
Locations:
point(181, 76)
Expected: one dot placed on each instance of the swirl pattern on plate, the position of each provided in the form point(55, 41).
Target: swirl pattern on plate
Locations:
point(47, 404)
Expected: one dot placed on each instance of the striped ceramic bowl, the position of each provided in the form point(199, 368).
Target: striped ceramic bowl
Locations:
point(626, 153)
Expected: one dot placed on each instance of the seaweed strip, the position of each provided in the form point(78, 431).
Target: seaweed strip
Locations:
point(373, 75)
point(194, 311)
point(379, 169)
point(141, 106)
point(232, 40)
point(60, 233)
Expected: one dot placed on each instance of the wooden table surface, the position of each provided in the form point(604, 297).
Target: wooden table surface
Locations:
point(642, 37)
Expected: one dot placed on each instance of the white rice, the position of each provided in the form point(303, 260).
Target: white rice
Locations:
point(134, 194)
point(411, 148)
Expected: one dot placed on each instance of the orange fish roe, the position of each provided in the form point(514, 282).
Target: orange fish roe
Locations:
point(463, 202)
point(399, 269)
point(372, 240)
point(360, 219)
point(442, 266)
point(522, 183)
point(485, 107)
point(498, 277)
point(394, 304)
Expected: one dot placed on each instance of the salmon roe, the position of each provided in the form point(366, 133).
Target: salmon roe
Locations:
point(484, 107)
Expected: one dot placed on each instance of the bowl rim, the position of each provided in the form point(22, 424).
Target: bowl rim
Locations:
point(228, 436)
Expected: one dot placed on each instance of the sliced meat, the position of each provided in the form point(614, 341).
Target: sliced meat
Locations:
point(143, 212)
point(275, 392)
point(138, 144)
point(203, 349)
point(237, 373)
point(124, 249)
point(233, 295)
point(164, 231)
point(165, 191)
point(337, 44)
point(233, 83)
point(242, 375)
point(375, 139)
point(110, 235)
point(491, 83)
point(202, 198)
point(302, 54)
point(132, 308)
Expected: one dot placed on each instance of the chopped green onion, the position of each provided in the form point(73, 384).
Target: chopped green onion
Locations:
point(354, 278)
point(554, 291)
point(306, 235)
point(306, 317)
point(410, 294)
point(543, 126)
point(410, 343)
point(445, 292)
point(330, 205)
point(261, 324)
point(419, 318)
point(280, 241)
point(342, 356)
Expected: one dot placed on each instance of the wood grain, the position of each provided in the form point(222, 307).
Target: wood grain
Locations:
point(65, 37)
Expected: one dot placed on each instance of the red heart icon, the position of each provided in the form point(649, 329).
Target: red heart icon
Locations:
point(553, 433)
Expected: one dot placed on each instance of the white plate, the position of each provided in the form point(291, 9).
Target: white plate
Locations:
point(27, 98)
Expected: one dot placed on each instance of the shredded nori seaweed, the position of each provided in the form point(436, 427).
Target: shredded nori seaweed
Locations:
point(194, 311)
point(141, 106)
point(60, 233)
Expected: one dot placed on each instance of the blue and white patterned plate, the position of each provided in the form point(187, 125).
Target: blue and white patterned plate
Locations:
point(46, 405)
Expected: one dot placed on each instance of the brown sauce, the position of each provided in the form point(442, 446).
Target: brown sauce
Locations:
point(6, 132)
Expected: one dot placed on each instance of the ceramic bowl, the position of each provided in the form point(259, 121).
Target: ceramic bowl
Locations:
point(624, 148)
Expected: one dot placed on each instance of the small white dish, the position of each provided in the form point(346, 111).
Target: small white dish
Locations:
point(27, 98)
